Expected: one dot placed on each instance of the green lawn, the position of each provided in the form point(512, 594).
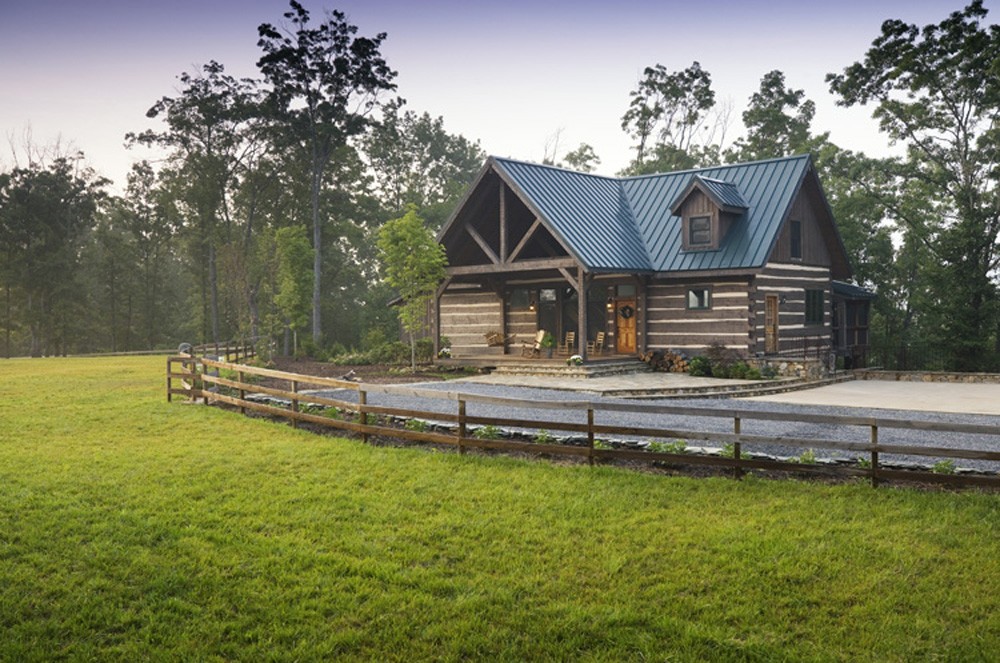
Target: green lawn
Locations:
point(134, 529)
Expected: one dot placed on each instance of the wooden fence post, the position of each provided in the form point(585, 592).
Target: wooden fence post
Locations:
point(461, 426)
point(170, 382)
point(243, 393)
point(590, 435)
point(737, 450)
point(295, 403)
point(362, 415)
point(874, 440)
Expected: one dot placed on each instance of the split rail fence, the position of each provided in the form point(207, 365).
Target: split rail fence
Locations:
point(222, 382)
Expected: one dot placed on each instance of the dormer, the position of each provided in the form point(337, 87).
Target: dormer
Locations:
point(708, 208)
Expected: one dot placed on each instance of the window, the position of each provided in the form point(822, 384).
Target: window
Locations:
point(700, 231)
point(815, 307)
point(699, 298)
point(795, 237)
point(520, 299)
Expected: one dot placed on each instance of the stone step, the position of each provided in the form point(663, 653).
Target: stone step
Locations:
point(739, 390)
point(584, 371)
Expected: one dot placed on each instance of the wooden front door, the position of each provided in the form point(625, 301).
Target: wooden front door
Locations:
point(771, 324)
point(625, 326)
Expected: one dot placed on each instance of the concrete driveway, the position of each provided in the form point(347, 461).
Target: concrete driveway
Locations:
point(958, 398)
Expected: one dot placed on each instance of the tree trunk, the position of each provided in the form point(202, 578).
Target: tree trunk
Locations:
point(213, 285)
point(413, 352)
point(317, 320)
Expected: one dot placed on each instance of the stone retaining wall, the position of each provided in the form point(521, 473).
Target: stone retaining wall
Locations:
point(928, 376)
point(788, 367)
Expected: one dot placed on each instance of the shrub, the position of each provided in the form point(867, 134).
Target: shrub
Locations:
point(700, 367)
point(675, 447)
point(417, 425)
point(489, 432)
point(944, 467)
point(723, 359)
point(808, 457)
point(544, 437)
point(372, 339)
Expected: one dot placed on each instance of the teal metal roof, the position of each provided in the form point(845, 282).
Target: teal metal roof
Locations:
point(627, 224)
point(726, 193)
point(587, 213)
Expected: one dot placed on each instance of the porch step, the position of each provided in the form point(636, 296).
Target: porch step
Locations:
point(600, 369)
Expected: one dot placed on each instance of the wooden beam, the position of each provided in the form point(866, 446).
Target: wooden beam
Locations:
point(581, 316)
point(521, 266)
point(577, 285)
point(503, 222)
point(482, 244)
point(524, 241)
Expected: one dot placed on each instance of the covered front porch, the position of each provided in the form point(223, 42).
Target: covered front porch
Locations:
point(541, 320)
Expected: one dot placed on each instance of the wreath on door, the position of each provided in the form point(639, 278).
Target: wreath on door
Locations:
point(626, 312)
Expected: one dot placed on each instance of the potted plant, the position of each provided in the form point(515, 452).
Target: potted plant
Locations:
point(575, 360)
point(548, 343)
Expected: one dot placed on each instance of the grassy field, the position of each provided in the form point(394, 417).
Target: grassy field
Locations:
point(133, 529)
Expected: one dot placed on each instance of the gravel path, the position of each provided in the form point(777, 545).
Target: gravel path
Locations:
point(712, 424)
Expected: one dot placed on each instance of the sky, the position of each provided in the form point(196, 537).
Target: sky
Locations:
point(516, 75)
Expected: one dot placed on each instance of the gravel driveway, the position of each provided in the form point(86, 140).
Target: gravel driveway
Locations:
point(712, 424)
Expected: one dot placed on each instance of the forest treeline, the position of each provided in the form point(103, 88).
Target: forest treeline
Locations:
point(262, 220)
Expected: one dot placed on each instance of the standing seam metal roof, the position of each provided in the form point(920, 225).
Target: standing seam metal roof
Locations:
point(627, 225)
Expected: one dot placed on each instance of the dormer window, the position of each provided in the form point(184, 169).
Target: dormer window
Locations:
point(699, 231)
point(708, 209)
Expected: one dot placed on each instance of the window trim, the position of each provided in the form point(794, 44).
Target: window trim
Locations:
point(689, 236)
point(813, 307)
point(708, 299)
point(795, 233)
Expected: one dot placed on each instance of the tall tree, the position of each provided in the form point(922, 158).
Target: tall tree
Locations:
point(670, 118)
point(417, 162)
point(207, 127)
point(45, 214)
point(583, 158)
point(778, 122)
point(937, 90)
point(324, 85)
point(414, 264)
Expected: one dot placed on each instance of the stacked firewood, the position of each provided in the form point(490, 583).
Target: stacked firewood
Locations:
point(665, 361)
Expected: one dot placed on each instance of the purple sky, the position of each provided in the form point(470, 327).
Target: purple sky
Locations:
point(510, 74)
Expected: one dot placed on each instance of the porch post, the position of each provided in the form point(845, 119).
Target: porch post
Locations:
point(436, 317)
point(642, 318)
point(583, 279)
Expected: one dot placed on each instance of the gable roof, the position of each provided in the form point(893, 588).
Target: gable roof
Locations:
point(628, 224)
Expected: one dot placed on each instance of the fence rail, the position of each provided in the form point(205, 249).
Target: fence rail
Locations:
point(201, 378)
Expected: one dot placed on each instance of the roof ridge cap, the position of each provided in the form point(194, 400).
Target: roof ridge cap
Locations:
point(548, 166)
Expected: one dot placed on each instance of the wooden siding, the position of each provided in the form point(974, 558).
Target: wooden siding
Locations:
point(670, 325)
point(467, 317)
point(791, 281)
point(805, 209)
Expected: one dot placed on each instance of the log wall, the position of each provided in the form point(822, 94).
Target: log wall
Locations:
point(672, 326)
point(791, 282)
point(467, 317)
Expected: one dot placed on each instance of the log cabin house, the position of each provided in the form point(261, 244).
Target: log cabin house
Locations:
point(747, 255)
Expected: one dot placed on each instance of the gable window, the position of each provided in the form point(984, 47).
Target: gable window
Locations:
point(699, 298)
point(795, 237)
point(815, 307)
point(700, 231)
